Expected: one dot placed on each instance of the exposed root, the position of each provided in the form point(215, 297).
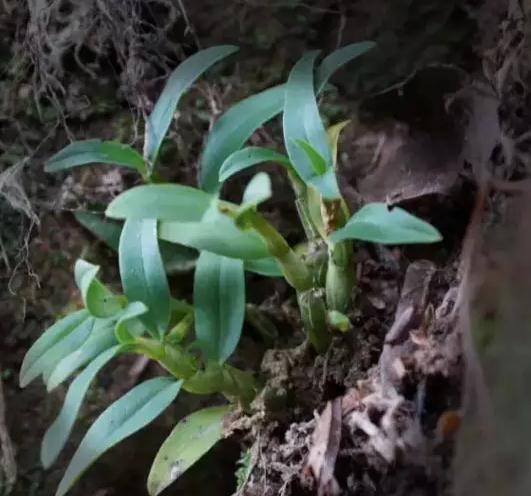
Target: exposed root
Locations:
point(12, 191)
point(134, 35)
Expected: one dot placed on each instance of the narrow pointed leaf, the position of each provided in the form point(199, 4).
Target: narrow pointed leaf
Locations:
point(313, 199)
point(304, 133)
point(95, 151)
point(98, 299)
point(101, 338)
point(172, 202)
point(180, 80)
point(124, 417)
point(176, 258)
point(191, 438)
point(239, 122)
point(377, 223)
point(48, 360)
point(247, 157)
point(233, 128)
point(337, 59)
point(316, 161)
point(142, 273)
point(219, 304)
point(58, 433)
point(49, 338)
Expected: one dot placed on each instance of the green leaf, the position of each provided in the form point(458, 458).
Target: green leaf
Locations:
point(219, 304)
point(264, 266)
point(247, 157)
point(338, 58)
point(142, 273)
point(220, 236)
point(258, 190)
point(239, 122)
point(378, 223)
point(325, 184)
point(176, 258)
point(124, 417)
point(180, 80)
point(101, 338)
point(313, 200)
point(233, 128)
point(46, 364)
point(98, 299)
point(58, 433)
point(302, 124)
point(172, 202)
point(316, 161)
point(95, 151)
point(198, 223)
point(35, 358)
point(332, 136)
point(190, 439)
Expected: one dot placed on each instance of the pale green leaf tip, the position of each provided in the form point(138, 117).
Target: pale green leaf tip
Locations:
point(47, 458)
point(110, 211)
point(22, 381)
point(258, 190)
point(224, 173)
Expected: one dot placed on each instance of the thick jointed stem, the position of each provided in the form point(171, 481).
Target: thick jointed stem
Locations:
point(311, 300)
point(181, 329)
point(292, 266)
point(314, 317)
point(173, 358)
point(339, 276)
point(340, 271)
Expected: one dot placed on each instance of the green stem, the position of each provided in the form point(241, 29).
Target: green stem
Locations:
point(181, 329)
point(292, 266)
point(177, 361)
point(311, 300)
point(224, 379)
point(340, 278)
point(314, 318)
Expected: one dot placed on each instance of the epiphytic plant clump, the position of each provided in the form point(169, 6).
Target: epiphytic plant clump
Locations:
point(168, 225)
